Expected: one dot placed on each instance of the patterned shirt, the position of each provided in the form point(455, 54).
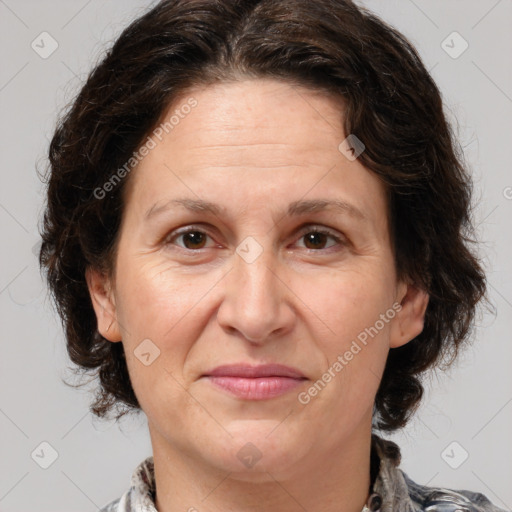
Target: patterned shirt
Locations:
point(391, 489)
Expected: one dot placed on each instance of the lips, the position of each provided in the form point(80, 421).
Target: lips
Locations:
point(248, 382)
point(247, 371)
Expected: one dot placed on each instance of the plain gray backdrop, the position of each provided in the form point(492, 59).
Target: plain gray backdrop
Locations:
point(460, 437)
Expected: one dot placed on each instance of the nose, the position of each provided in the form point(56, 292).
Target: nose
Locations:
point(258, 303)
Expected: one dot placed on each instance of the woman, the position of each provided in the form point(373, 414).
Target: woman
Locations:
point(256, 233)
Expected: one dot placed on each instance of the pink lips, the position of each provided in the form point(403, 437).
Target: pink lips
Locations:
point(255, 382)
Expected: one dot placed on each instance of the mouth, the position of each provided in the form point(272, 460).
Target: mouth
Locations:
point(255, 382)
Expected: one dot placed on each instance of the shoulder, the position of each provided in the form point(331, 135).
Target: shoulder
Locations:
point(113, 506)
point(140, 496)
point(400, 493)
point(125, 503)
point(434, 499)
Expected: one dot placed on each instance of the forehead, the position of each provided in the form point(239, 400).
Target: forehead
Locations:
point(261, 138)
point(229, 118)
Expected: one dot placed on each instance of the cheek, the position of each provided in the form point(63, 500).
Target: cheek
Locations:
point(158, 312)
point(156, 302)
point(356, 313)
point(154, 308)
point(349, 301)
point(153, 297)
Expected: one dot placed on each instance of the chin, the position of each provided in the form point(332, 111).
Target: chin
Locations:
point(256, 448)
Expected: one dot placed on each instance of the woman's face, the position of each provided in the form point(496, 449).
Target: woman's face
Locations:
point(218, 263)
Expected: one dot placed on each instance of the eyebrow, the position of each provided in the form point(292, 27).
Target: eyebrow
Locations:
point(295, 208)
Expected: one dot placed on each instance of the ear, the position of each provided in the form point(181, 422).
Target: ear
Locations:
point(409, 320)
point(104, 304)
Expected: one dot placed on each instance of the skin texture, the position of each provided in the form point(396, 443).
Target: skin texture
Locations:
point(253, 147)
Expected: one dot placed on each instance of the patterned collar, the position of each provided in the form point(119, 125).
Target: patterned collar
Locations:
point(391, 490)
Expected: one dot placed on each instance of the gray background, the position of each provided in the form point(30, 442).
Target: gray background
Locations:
point(471, 405)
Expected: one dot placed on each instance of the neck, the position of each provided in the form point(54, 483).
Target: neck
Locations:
point(337, 481)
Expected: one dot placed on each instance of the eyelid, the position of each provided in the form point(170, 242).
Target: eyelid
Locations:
point(321, 229)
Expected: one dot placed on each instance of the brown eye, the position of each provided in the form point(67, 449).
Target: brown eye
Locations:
point(317, 240)
point(194, 239)
point(191, 239)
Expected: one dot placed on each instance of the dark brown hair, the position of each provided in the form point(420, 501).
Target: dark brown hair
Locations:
point(392, 105)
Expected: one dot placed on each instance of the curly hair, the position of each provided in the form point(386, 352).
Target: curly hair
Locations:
point(391, 103)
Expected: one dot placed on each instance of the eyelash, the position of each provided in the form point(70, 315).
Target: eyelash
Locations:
point(304, 231)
